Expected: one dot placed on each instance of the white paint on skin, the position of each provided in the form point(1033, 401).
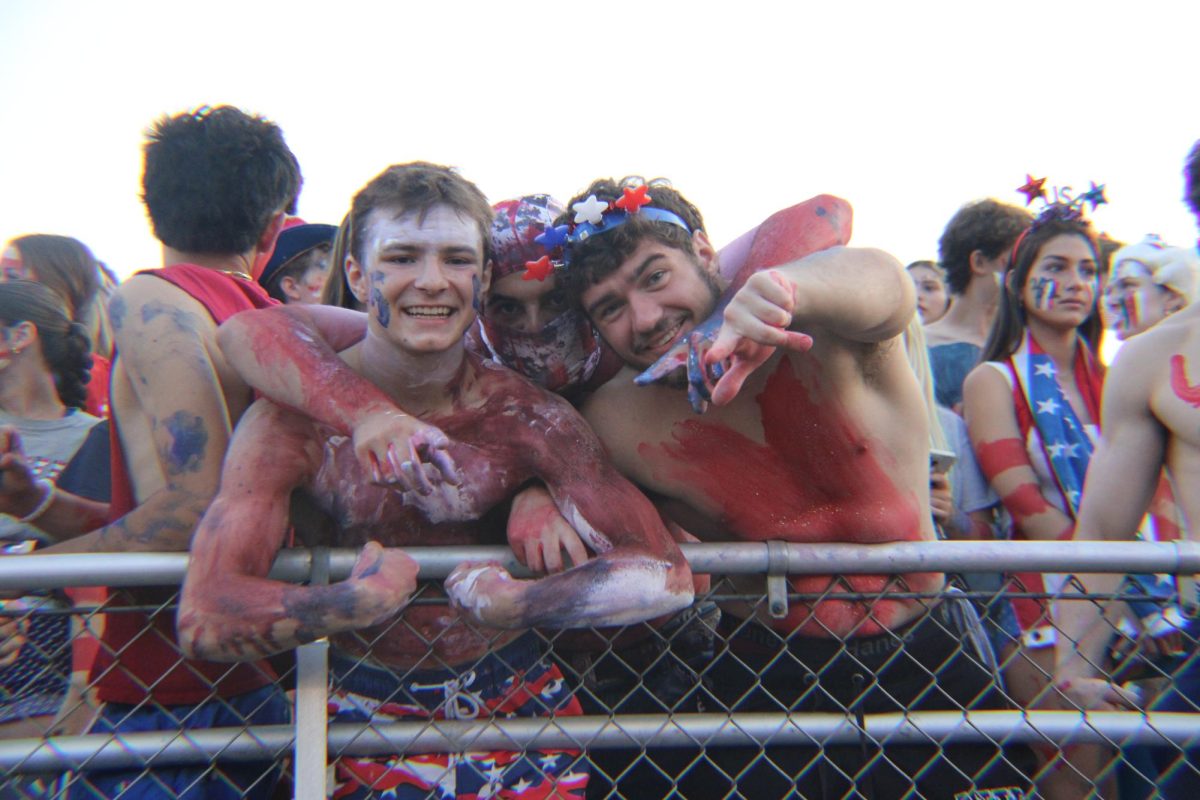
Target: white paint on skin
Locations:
point(638, 590)
point(464, 592)
point(596, 540)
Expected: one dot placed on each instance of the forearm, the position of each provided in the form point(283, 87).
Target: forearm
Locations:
point(164, 523)
point(1085, 627)
point(858, 294)
point(70, 515)
point(240, 618)
point(286, 359)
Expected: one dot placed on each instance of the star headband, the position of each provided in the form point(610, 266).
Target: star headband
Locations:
point(1065, 206)
point(593, 216)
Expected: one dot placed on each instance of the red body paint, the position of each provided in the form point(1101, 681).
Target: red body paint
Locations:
point(816, 478)
point(1026, 501)
point(1185, 391)
point(1002, 454)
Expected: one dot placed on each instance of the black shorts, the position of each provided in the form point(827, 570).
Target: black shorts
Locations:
point(933, 663)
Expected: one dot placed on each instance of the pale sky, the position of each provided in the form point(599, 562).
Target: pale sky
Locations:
point(907, 110)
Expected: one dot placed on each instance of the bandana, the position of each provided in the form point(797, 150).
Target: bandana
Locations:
point(514, 229)
point(562, 355)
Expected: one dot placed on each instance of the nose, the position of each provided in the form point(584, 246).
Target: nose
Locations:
point(431, 278)
point(645, 312)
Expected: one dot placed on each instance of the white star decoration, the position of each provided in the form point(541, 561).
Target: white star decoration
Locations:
point(1047, 406)
point(1055, 450)
point(1071, 448)
point(521, 785)
point(548, 761)
point(590, 210)
point(1046, 369)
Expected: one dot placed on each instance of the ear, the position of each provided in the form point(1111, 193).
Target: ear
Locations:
point(22, 335)
point(979, 263)
point(356, 279)
point(265, 245)
point(1175, 302)
point(485, 279)
point(289, 288)
point(705, 251)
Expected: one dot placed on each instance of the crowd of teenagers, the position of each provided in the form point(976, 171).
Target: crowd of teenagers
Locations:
point(592, 383)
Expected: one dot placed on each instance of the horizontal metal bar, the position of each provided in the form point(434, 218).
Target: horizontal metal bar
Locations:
point(102, 751)
point(161, 569)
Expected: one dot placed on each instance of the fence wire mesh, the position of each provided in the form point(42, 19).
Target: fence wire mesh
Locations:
point(723, 700)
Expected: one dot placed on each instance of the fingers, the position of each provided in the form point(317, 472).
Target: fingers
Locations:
point(667, 363)
point(575, 548)
point(440, 457)
point(367, 563)
point(552, 555)
point(798, 342)
point(533, 555)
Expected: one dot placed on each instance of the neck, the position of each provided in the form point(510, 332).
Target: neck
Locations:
point(235, 264)
point(420, 384)
point(975, 309)
point(1058, 343)
point(30, 395)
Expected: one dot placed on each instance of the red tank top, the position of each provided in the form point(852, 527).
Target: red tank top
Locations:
point(140, 656)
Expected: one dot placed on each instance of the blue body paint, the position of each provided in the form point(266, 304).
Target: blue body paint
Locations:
point(1044, 290)
point(116, 312)
point(382, 312)
point(188, 440)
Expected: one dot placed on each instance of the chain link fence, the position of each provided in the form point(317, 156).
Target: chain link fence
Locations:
point(717, 701)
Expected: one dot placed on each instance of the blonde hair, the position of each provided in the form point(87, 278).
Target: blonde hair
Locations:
point(918, 358)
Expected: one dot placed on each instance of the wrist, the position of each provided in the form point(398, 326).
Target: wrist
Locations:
point(41, 496)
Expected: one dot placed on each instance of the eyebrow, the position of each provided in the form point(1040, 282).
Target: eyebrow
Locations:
point(637, 274)
point(397, 244)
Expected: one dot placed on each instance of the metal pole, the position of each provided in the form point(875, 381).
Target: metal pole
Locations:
point(163, 748)
point(312, 693)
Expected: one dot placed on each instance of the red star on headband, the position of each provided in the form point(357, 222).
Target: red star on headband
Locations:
point(1033, 188)
point(633, 199)
point(538, 270)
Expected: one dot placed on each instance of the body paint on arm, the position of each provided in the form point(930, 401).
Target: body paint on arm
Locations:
point(1187, 392)
point(189, 439)
point(1002, 454)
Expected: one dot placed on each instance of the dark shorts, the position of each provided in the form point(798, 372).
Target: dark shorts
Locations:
point(514, 681)
point(229, 779)
point(936, 662)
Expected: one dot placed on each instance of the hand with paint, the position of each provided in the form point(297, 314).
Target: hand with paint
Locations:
point(756, 323)
point(691, 351)
point(487, 593)
point(383, 581)
point(401, 451)
point(539, 534)
point(20, 491)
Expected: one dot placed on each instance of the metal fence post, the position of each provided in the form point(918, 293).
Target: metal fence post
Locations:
point(312, 692)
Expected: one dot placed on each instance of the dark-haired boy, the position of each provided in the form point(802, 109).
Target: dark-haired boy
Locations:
point(298, 266)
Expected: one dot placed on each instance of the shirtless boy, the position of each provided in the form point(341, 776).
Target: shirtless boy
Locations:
point(1150, 418)
point(816, 433)
point(419, 253)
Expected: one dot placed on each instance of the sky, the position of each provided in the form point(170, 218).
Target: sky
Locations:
point(907, 110)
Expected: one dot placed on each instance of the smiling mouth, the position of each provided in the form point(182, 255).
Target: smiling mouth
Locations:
point(663, 340)
point(429, 312)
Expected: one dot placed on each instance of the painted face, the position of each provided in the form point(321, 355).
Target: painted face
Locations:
point(422, 278)
point(12, 268)
point(312, 282)
point(1133, 302)
point(643, 306)
point(1063, 283)
point(525, 306)
point(931, 293)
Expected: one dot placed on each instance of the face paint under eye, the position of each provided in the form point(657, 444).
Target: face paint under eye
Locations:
point(1044, 290)
point(1132, 310)
point(382, 312)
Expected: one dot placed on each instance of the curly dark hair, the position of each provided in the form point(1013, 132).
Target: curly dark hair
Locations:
point(65, 345)
point(1191, 180)
point(597, 257)
point(1008, 329)
point(214, 177)
point(418, 187)
point(985, 225)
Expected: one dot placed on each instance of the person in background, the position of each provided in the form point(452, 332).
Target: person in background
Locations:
point(1032, 409)
point(337, 292)
point(930, 283)
point(973, 251)
point(67, 266)
point(43, 371)
point(299, 264)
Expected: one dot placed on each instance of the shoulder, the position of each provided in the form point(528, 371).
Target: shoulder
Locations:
point(144, 299)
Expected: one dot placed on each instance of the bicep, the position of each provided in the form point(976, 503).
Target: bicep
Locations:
point(164, 339)
point(1125, 468)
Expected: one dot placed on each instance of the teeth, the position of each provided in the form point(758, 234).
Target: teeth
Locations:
point(429, 311)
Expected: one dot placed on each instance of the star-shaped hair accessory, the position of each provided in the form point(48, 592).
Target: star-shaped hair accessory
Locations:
point(1033, 188)
point(590, 210)
point(633, 199)
point(538, 270)
point(1094, 195)
point(554, 237)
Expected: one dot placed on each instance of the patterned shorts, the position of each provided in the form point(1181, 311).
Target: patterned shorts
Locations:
point(515, 681)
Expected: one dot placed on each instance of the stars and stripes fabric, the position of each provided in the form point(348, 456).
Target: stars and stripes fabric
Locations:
point(515, 681)
point(1065, 440)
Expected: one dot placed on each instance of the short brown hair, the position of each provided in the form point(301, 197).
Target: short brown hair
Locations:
point(419, 186)
point(988, 226)
point(592, 260)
